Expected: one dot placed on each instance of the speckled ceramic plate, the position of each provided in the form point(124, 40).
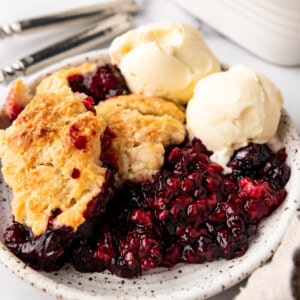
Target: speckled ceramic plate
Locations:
point(183, 281)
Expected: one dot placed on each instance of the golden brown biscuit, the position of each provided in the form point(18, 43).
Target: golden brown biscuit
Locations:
point(20, 94)
point(144, 126)
point(53, 135)
point(59, 79)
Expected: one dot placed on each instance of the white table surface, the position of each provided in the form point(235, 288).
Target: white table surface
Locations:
point(287, 79)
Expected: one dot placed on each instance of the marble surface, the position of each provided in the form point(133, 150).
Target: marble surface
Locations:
point(287, 79)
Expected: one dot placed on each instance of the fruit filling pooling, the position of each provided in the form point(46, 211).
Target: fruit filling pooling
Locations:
point(103, 83)
point(190, 211)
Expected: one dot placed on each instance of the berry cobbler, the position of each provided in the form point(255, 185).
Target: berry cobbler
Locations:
point(110, 171)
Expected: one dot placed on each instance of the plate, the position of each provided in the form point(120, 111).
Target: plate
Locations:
point(182, 281)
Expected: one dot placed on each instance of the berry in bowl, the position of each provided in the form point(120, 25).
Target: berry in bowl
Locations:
point(175, 180)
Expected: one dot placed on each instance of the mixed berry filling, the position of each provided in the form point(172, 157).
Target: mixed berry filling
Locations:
point(189, 212)
point(103, 83)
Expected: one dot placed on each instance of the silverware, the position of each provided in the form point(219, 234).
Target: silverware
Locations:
point(94, 12)
point(92, 36)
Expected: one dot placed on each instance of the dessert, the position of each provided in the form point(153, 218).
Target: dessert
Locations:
point(108, 179)
point(176, 56)
point(143, 127)
point(230, 109)
point(53, 146)
point(99, 83)
point(59, 79)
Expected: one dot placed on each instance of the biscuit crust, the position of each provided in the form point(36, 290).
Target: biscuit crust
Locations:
point(38, 154)
point(144, 126)
point(59, 79)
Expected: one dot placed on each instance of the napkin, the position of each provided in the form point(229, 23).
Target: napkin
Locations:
point(279, 279)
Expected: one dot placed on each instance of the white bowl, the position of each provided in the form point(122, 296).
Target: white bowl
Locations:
point(183, 281)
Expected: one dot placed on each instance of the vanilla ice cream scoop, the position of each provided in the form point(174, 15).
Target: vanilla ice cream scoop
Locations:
point(163, 60)
point(230, 109)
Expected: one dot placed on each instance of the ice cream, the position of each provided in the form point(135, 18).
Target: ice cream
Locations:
point(230, 109)
point(163, 60)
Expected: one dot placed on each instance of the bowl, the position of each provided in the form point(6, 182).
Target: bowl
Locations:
point(183, 281)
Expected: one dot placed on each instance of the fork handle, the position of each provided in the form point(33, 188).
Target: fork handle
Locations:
point(94, 12)
point(97, 34)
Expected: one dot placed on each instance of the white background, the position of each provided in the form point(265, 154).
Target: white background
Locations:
point(12, 48)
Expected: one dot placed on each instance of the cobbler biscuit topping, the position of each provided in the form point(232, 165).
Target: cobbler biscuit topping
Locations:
point(52, 138)
point(143, 127)
point(59, 78)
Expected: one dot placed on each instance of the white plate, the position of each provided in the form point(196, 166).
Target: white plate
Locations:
point(183, 281)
